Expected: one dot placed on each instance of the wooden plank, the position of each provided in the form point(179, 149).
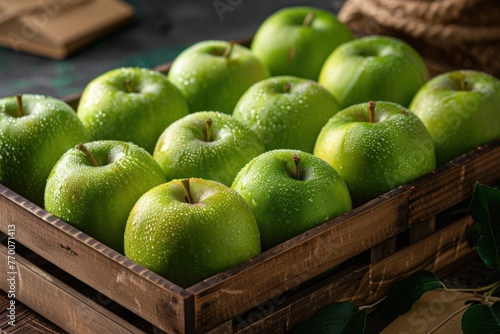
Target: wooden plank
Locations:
point(383, 250)
point(422, 229)
point(155, 299)
point(287, 265)
point(453, 182)
point(280, 314)
point(64, 306)
point(441, 253)
point(437, 253)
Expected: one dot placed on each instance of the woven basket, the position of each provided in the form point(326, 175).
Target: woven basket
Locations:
point(464, 32)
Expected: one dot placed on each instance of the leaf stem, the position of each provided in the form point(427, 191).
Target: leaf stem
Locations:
point(432, 330)
point(492, 287)
point(365, 307)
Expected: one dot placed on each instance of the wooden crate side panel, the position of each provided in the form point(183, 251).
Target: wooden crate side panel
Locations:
point(64, 306)
point(437, 253)
point(291, 311)
point(293, 262)
point(153, 298)
point(441, 253)
point(453, 182)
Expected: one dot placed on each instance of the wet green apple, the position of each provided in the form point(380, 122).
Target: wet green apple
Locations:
point(188, 230)
point(373, 68)
point(297, 40)
point(213, 75)
point(376, 147)
point(35, 131)
point(460, 111)
point(131, 104)
point(290, 192)
point(286, 112)
point(206, 144)
point(95, 185)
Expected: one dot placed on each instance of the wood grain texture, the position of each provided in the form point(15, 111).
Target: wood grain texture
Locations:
point(67, 308)
point(439, 253)
point(297, 260)
point(453, 182)
point(152, 297)
point(442, 252)
point(218, 299)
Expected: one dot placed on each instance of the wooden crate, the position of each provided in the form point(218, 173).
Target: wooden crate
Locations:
point(67, 276)
point(267, 289)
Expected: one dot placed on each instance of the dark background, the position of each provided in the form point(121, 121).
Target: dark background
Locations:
point(161, 30)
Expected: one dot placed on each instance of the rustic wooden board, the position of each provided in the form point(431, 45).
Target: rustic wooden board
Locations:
point(260, 282)
point(297, 260)
point(453, 182)
point(64, 306)
point(224, 296)
point(442, 252)
point(139, 290)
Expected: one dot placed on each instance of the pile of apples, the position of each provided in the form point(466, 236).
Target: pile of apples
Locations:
point(239, 149)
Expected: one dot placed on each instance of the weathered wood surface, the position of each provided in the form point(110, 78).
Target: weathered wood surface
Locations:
point(53, 299)
point(156, 299)
point(212, 302)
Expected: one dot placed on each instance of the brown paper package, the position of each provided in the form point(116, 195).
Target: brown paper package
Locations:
point(58, 28)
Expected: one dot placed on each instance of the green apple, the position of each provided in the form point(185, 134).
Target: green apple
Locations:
point(376, 147)
point(374, 68)
point(297, 40)
point(95, 185)
point(213, 75)
point(206, 144)
point(188, 230)
point(290, 192)
point(286, 112)
point(460, 111)
point(132, 105)
point(35, 131)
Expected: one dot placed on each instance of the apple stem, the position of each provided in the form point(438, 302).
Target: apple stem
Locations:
point(208, 129)
point(127, 85)
point(89, 155)
point(187, 189)
point(308, 19)
point(371, 111)
point(296, 160)
point(463, 84)
point(19, 100)
point(287, 88)
point(229, 50)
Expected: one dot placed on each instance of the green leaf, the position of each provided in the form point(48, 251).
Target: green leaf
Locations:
point(481, 318)
point(336, 318)
point(403, 294)
point(485, 232)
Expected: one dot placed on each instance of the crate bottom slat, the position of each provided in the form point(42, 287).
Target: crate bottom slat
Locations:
point(66, 307)
point(441, 252)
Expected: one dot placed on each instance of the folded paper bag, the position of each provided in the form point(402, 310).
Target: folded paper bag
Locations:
point(57, 28)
